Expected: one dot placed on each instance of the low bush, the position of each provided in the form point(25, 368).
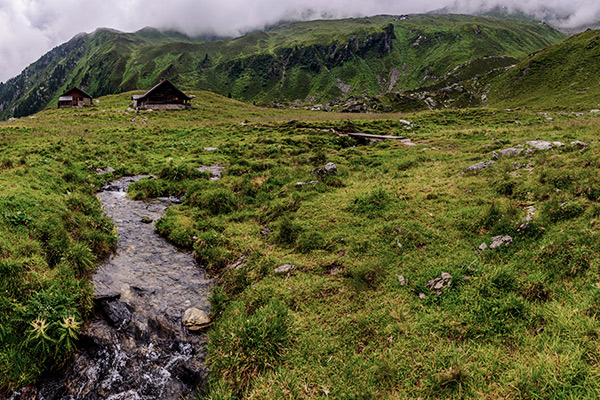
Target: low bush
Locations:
point(244, 344)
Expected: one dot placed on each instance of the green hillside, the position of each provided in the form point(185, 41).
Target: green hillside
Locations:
point(566, 74)
point(304, 62)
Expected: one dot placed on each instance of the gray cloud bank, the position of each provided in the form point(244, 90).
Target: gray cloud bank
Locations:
point(29, 28)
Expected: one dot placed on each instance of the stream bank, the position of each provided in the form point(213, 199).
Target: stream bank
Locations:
point(136, 346)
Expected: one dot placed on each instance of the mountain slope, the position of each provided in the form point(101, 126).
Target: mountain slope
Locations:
point(304, 62)
point(566, 73)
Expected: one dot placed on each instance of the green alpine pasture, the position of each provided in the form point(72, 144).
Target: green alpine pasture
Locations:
point(519, 321)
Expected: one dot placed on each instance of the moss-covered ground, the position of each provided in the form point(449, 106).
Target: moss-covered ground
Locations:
point(519, 321)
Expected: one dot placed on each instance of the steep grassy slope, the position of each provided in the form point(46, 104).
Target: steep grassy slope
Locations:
point(565, 74)
point(312, 62)
point(516, 322)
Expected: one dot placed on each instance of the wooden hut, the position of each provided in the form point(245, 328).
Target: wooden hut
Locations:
point(164, 96)
point(74, 97)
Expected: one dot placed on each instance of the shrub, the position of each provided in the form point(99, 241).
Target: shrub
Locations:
point(366, 276)
point(244, 344)
point(309, 241)
point(177, 171)
point(211, 250)
point(376, 201)
point(288, 231)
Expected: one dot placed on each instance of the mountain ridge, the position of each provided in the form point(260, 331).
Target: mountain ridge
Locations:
point(301, 62)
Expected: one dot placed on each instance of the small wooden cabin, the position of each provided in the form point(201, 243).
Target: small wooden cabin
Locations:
point(74, 97)
point(164, 96)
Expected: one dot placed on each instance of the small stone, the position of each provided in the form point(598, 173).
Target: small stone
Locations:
point(405, 122)
point(285, 269)
point(578, 143)
point(502, 240)
point(403, 281)
point(558, 144)
point(512, 151)
point(540, 144)
point(422, 296)
point(107, 170)
point(265, 232)
point(195, 319)
point(479, 166)
point(329, 169)
point(210, 148)
point(438, 285)
point(483, 246)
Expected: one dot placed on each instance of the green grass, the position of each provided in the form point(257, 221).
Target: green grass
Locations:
point(517, 322)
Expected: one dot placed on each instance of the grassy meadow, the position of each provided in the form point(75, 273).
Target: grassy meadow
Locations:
point(519, 321)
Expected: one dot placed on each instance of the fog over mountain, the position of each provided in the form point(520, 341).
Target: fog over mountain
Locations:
point(29, 28)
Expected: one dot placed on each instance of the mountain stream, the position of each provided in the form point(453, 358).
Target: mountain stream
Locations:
point(136, 346)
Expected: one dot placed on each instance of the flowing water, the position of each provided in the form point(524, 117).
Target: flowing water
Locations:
point(137, 347)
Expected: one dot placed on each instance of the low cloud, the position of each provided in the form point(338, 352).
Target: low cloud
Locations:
point(29, 28)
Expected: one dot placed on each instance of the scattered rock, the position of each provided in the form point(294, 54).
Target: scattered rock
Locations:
point(405, 122)
point(594, 111)
point(483, 246)
point(118, 312)
point(502, 240)
point(265, 232)
point(215, 171)
point(403, 281)
point(558, 144)
point(107, 170)
point(438, 285)
point(549, 119)
point(285, 269)
point(479, 166)
point(328, 169)
point(108, 296)
point(195, 319)
point(512, 151)
point(211, 148)
point(422, 296)
point(300, 184)
point(540, 144)
point(529, 152)
point(578, 143)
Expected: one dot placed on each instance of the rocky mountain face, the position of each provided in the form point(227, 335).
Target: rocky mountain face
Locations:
point(307, 63)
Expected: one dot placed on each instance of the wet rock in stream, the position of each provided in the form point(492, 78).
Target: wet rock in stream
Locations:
point(137, 346)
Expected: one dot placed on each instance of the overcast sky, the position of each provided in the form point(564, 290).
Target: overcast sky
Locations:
point(30, 28)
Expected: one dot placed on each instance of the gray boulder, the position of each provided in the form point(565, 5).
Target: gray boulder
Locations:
point(438, 285)
point(502, 240)
point(512, 151)
point(285, 269)
point(479, 166)
point(328, 169)
point(540, 144)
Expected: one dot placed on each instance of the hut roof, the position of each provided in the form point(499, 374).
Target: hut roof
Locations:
point(63, 97)
point(156, 87)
